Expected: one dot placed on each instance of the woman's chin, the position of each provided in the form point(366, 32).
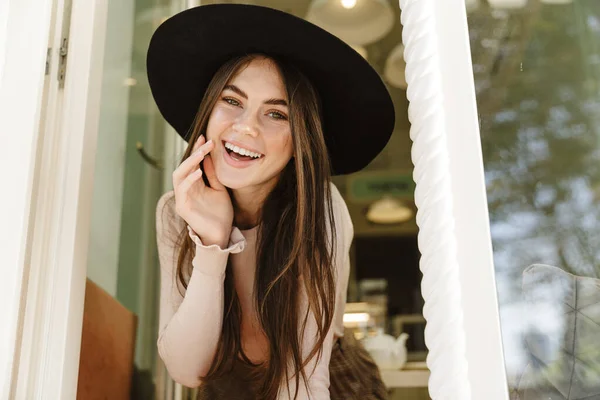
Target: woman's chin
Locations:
point(235, 185)
point(243, 178)
point(232, 182)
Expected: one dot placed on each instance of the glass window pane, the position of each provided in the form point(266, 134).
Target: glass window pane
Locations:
point(122, 252)
point(537, 67)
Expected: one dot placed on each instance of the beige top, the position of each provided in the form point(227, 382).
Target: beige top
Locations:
point(190, 326)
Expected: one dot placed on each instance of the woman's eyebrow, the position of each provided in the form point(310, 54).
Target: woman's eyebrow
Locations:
point(240, 92)
point(236, 89)
point(277, 102)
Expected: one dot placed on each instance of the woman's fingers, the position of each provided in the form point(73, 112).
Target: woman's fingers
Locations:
point(201, 140)
point(209, 170)
point(188, 182)
point(191, 163)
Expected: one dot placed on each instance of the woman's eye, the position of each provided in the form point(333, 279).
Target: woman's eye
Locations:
point(277, 115)
point(231, 101)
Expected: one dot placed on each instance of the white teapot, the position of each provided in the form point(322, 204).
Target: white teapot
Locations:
point(387, 352)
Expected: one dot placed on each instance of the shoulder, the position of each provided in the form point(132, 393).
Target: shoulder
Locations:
point(166, 198)
point(168, 222)
point(343, 222)
point(165, 208)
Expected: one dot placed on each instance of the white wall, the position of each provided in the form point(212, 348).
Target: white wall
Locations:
point(103, 256)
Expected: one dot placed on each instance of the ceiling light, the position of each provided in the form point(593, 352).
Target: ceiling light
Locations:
point(393, 72)
point(389, 211)
point(365, 22)
point(348, 4)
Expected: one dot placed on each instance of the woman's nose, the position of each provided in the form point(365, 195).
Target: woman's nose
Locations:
point(245, 129)
point(246, 123)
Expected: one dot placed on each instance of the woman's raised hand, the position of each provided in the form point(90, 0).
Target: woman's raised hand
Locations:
point(207, 210)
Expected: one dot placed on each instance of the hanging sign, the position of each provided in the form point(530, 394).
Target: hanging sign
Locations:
point(370, 186)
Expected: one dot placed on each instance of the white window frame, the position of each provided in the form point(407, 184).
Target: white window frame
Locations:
point(461, 308)
point(43, 243)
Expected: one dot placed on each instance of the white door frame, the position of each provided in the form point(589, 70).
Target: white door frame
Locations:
point(56, 195)
point(463, 331)
point(23, 44)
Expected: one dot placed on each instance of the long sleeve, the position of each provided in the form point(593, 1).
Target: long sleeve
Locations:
point(318, 371)
point(190, 325)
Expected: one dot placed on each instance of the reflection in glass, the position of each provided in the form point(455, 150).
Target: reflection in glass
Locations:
point(121, 257)
point(537, 71)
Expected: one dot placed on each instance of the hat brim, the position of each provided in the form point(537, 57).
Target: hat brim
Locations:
point(187, 50)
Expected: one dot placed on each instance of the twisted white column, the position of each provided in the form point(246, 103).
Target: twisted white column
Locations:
point(444, 333)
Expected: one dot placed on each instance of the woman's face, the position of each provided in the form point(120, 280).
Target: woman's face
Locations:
point(250, 127)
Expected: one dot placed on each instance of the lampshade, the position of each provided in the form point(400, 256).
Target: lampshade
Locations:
point(393, 72)
point(361, 50)
point(357, 22)
point(389, 211)
point(508, 4)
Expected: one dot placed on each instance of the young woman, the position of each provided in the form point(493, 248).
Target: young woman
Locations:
point(254, 239)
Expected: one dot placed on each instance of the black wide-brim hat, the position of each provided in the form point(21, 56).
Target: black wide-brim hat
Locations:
point(187, 50)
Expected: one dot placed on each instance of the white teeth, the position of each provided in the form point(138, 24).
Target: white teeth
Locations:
point(242, 151)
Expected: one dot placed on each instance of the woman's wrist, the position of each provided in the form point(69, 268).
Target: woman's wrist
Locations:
point(233, 242)
point(221, 242)
point(219, 239)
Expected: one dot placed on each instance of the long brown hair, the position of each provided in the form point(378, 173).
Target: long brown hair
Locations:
point(294, 246)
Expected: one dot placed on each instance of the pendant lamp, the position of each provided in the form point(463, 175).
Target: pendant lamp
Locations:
point(389, 211)
point(393, 71)
point(356, 22)
point(361, 50)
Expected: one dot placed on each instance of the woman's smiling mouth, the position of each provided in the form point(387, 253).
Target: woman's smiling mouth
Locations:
point(238, 156)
